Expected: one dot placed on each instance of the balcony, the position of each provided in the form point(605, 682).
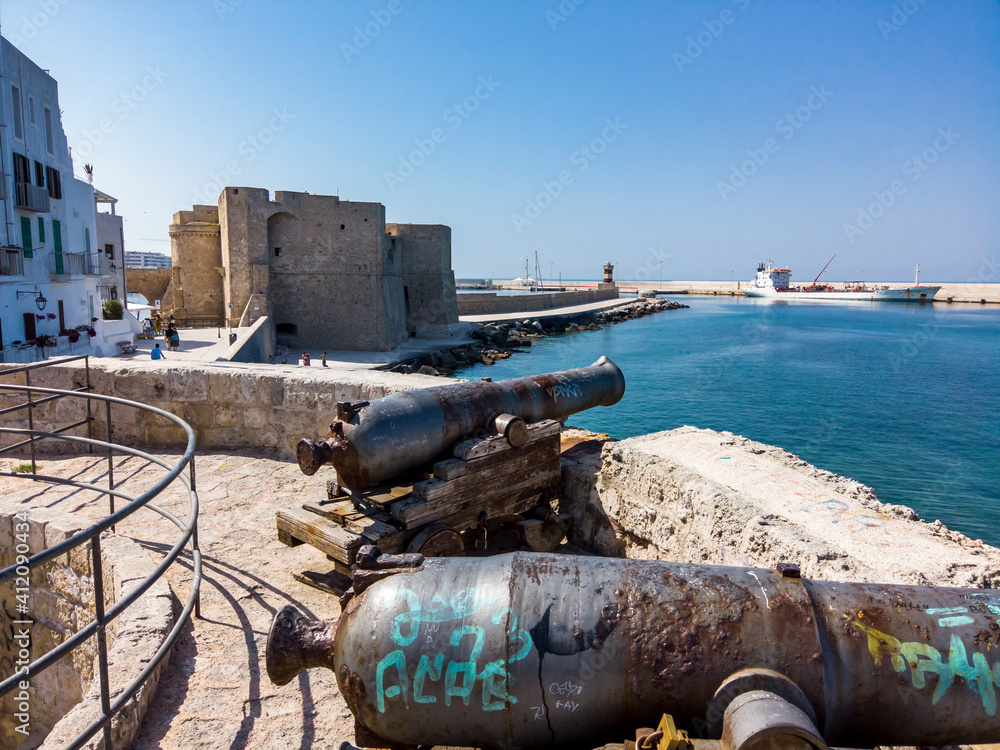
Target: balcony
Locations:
point(11, 261)
point(30, 197)
point(74, 264)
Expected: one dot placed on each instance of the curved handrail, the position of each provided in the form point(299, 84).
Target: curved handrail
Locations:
point(91, 535)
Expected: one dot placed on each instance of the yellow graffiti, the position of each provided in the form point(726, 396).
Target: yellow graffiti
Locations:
point(921, 658)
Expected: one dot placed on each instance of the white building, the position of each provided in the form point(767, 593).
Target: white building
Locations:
point(143, 259)
point(50, 265)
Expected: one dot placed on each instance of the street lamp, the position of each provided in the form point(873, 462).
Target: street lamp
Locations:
point(40, 300)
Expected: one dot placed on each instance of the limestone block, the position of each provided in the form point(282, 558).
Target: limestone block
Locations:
point(188, 384)
point(227, 416)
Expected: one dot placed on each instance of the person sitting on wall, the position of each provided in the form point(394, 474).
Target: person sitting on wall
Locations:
point(157, 353)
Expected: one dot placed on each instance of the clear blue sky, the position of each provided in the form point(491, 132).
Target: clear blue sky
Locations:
point(694, 92)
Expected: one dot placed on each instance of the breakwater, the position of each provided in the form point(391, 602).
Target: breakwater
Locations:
point(499, 340)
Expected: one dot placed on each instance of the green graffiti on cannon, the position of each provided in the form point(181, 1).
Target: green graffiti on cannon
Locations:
point(921, 658)
point(459, 677)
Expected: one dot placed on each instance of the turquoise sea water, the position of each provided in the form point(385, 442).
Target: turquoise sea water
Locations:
point(902, 397)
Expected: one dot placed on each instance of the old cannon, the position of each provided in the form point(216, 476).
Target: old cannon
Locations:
point(534, 650)
point(488, 456)
point(374, 441)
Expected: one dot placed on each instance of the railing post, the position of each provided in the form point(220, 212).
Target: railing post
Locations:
point(86, 367)
point(102, 639)
point(111, 462)
point(31, 420)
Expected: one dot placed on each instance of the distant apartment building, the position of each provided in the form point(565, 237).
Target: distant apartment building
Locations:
point(51, 263)
point(142, 259)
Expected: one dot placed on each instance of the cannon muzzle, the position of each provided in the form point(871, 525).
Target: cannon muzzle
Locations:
point(296, 643)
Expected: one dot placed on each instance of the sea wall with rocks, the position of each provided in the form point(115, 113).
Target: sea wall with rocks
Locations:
point(700, 496)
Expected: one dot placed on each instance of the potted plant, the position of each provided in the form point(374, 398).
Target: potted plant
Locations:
point(113, 309)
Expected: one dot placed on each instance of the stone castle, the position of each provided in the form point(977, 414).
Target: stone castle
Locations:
point(327, 273)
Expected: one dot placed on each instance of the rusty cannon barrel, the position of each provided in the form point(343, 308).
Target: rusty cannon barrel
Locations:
point(374, 441)
point(533, 650)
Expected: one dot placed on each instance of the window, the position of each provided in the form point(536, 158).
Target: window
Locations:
point(22, 168)
point(39, 174)
point(55, 183)
point(26, 237)
point(109, 251)
point(31, 110)
point(48, 130)
point(41, 230)
point(277, 252)
point(15, 101)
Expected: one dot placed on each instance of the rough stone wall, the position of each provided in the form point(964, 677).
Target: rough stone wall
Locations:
point(428, 280)
point(336, 279)
point(64, 699)
point(196, 276)
point(489, 303)
point(699, 496)
point(151, 283)
point(229, 408)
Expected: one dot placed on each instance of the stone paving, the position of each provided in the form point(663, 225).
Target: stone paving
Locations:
point(216, 693)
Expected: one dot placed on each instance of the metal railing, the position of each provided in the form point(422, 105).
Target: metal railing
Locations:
point(30, 197)
point(35, 397)
point(74, 264)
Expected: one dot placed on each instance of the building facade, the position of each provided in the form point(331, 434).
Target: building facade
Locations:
point(328, 274)
point(50, 264)
point(143, 259)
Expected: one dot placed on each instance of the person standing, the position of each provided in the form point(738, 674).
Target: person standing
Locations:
point(323, 359)
point(157, 323)
point(175, 340)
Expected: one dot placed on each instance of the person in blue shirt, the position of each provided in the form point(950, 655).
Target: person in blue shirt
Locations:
point(157, 353)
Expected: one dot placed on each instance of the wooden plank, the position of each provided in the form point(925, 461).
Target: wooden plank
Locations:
point(514, 503)
point(454, 468)
point(326, 536)
point(413, 512)
point(529, 464)
point(391, 540)
point(479, 447)
point(287, 539)
point(381, 497)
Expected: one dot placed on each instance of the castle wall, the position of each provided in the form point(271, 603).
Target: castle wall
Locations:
point(428, 280)
point(197, 280)
point(151, 283)
point(329, 273)
point(324, 272)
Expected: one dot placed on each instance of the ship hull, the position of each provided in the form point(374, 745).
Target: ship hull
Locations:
point(908, 294)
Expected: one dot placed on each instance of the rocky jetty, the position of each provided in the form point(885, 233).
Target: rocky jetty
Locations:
point(495, 341)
